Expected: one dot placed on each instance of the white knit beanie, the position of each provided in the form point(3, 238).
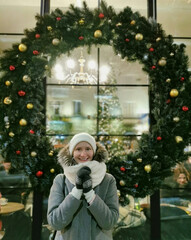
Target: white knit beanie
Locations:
point(82, 137)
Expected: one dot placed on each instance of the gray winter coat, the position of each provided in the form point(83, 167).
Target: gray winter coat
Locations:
point(75, 219)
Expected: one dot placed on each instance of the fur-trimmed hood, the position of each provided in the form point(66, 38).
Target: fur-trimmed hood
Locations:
point(65, 159)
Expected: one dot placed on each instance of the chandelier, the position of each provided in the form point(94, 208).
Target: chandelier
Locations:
point(81, 77)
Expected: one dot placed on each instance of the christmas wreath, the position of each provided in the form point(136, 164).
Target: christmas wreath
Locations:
point(23, 68)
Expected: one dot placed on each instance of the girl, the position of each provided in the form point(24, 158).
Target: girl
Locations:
point(83, 202)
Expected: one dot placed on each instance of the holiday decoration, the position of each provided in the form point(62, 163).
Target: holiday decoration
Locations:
point(18, 152)
point(23, 122)
point(81, 22)
point(174, 93)
point(7, 83)
point(55, 41)
point(21, 93)
point(97, 34)
point(134, 38)
point(11, 134)
point(52, 170)
point(39, 173)
point(22, 47)
point(31, 131)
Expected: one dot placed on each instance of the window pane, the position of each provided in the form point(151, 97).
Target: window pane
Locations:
point(64, 5)
point(18, 15)
point(7, 41)
point(71, 109)
point(123, 110)
point(175, 17)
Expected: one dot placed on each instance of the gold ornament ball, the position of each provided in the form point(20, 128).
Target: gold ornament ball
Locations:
point(168, 80)
point(33, 154)
point(30, 106)
point(11, 134)
point(139, 36)
point(139, 160)
point(81, 22)
point(97, 34)
point(133, 22)
point(118, 24)
point(49, 28)
point(46, 67)
point(178, 139)
point(147, 168)
point(118, 193)
point(7, 100)
point(52, 170)
point(162, 62)
point(26, 79)
point(7, 83)
point(24, 63)
point(22, 47)
point(176, 119)
point(174, 93)
point(50, 154)
point(23, 122)
point(55, 41)
point(158, 39)
point(122, 183)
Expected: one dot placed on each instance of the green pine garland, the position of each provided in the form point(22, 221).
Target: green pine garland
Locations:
point(24, 66)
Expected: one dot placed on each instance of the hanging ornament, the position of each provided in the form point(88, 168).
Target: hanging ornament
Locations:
point(39, 173)
point(147, 168)
point(22, 47)
point(7, 100)
point(36, 52)
point(162, 62)
point(31, 131)
point(118, 24)
point(174, 93)
point(171, 54)
point(127, 40)
point(33, 154)
point(21, 93)
point(18, 152)
point(159, 138)
point(158, 39)
point(153, 67)
point(52, 170)
point(24, 63)
point(139, 160)
point(168, 80)
point(136, 185)
point(185, 108)
point(176, 119)
point(81, 21)
point(29, 105)
point(122, 169)
point(182, 79)
point(139, 36)
point(133, 22)
point(98, 34)
point(23, 122)
point(168, 101)
point(37, 35)
point(11, 134)
point(101, 16)
point(178, 139)
point(7, 83)
point(49, 28)
point(46, 67)
point(55, 41)
point(11, 68)
point(81, 38)
point(122, 183)
point(26, 79)
point(151, 49)
point(118, 193)
point(51, 153)
point(58, 18)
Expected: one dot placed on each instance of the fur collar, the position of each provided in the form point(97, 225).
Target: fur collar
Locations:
point(65, 159)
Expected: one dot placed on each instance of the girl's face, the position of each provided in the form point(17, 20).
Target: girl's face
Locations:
point(83, 152)
point(182, 180)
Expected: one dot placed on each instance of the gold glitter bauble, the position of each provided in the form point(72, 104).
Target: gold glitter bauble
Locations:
point(176, 119)
point(97, 34)
point(162, 62)
point(158, 39)
point(178, 139)
point(132, 22)
point(139, 36)
point(7, 83)
point(122, 183)
point(33, 154)
point(23, 122)
point(50, 154)
point(168, 80)
point(147, 168)
point(139, 160)
point(49, 28)
point(22, 47)
point(11, 134)
point(81, 22)
point(26, 79)
point(30, 106)
point(24, 63)
point(52, 170)
point(174, 93)
point(55, 41)
point(7, 100)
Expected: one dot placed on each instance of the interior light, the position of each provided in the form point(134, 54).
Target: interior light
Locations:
point(104, 71)
point(92, 64)
point(70, 63)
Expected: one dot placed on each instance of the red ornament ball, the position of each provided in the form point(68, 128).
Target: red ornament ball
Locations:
point(18, 152)
point(37, 35)
point(21, 93)
point(153, 67)
point(58, 18)
point(81, 38)
point(151, 49)
point(185, 108)
point(122, 169)
point(127, 40)
point(136, 185)
point(168, 101)
point(101, 15)
point(11, 68)
point(39, 173)
point(159, 138)
point(182, 79)
point(31, 131)
point(35, 52)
